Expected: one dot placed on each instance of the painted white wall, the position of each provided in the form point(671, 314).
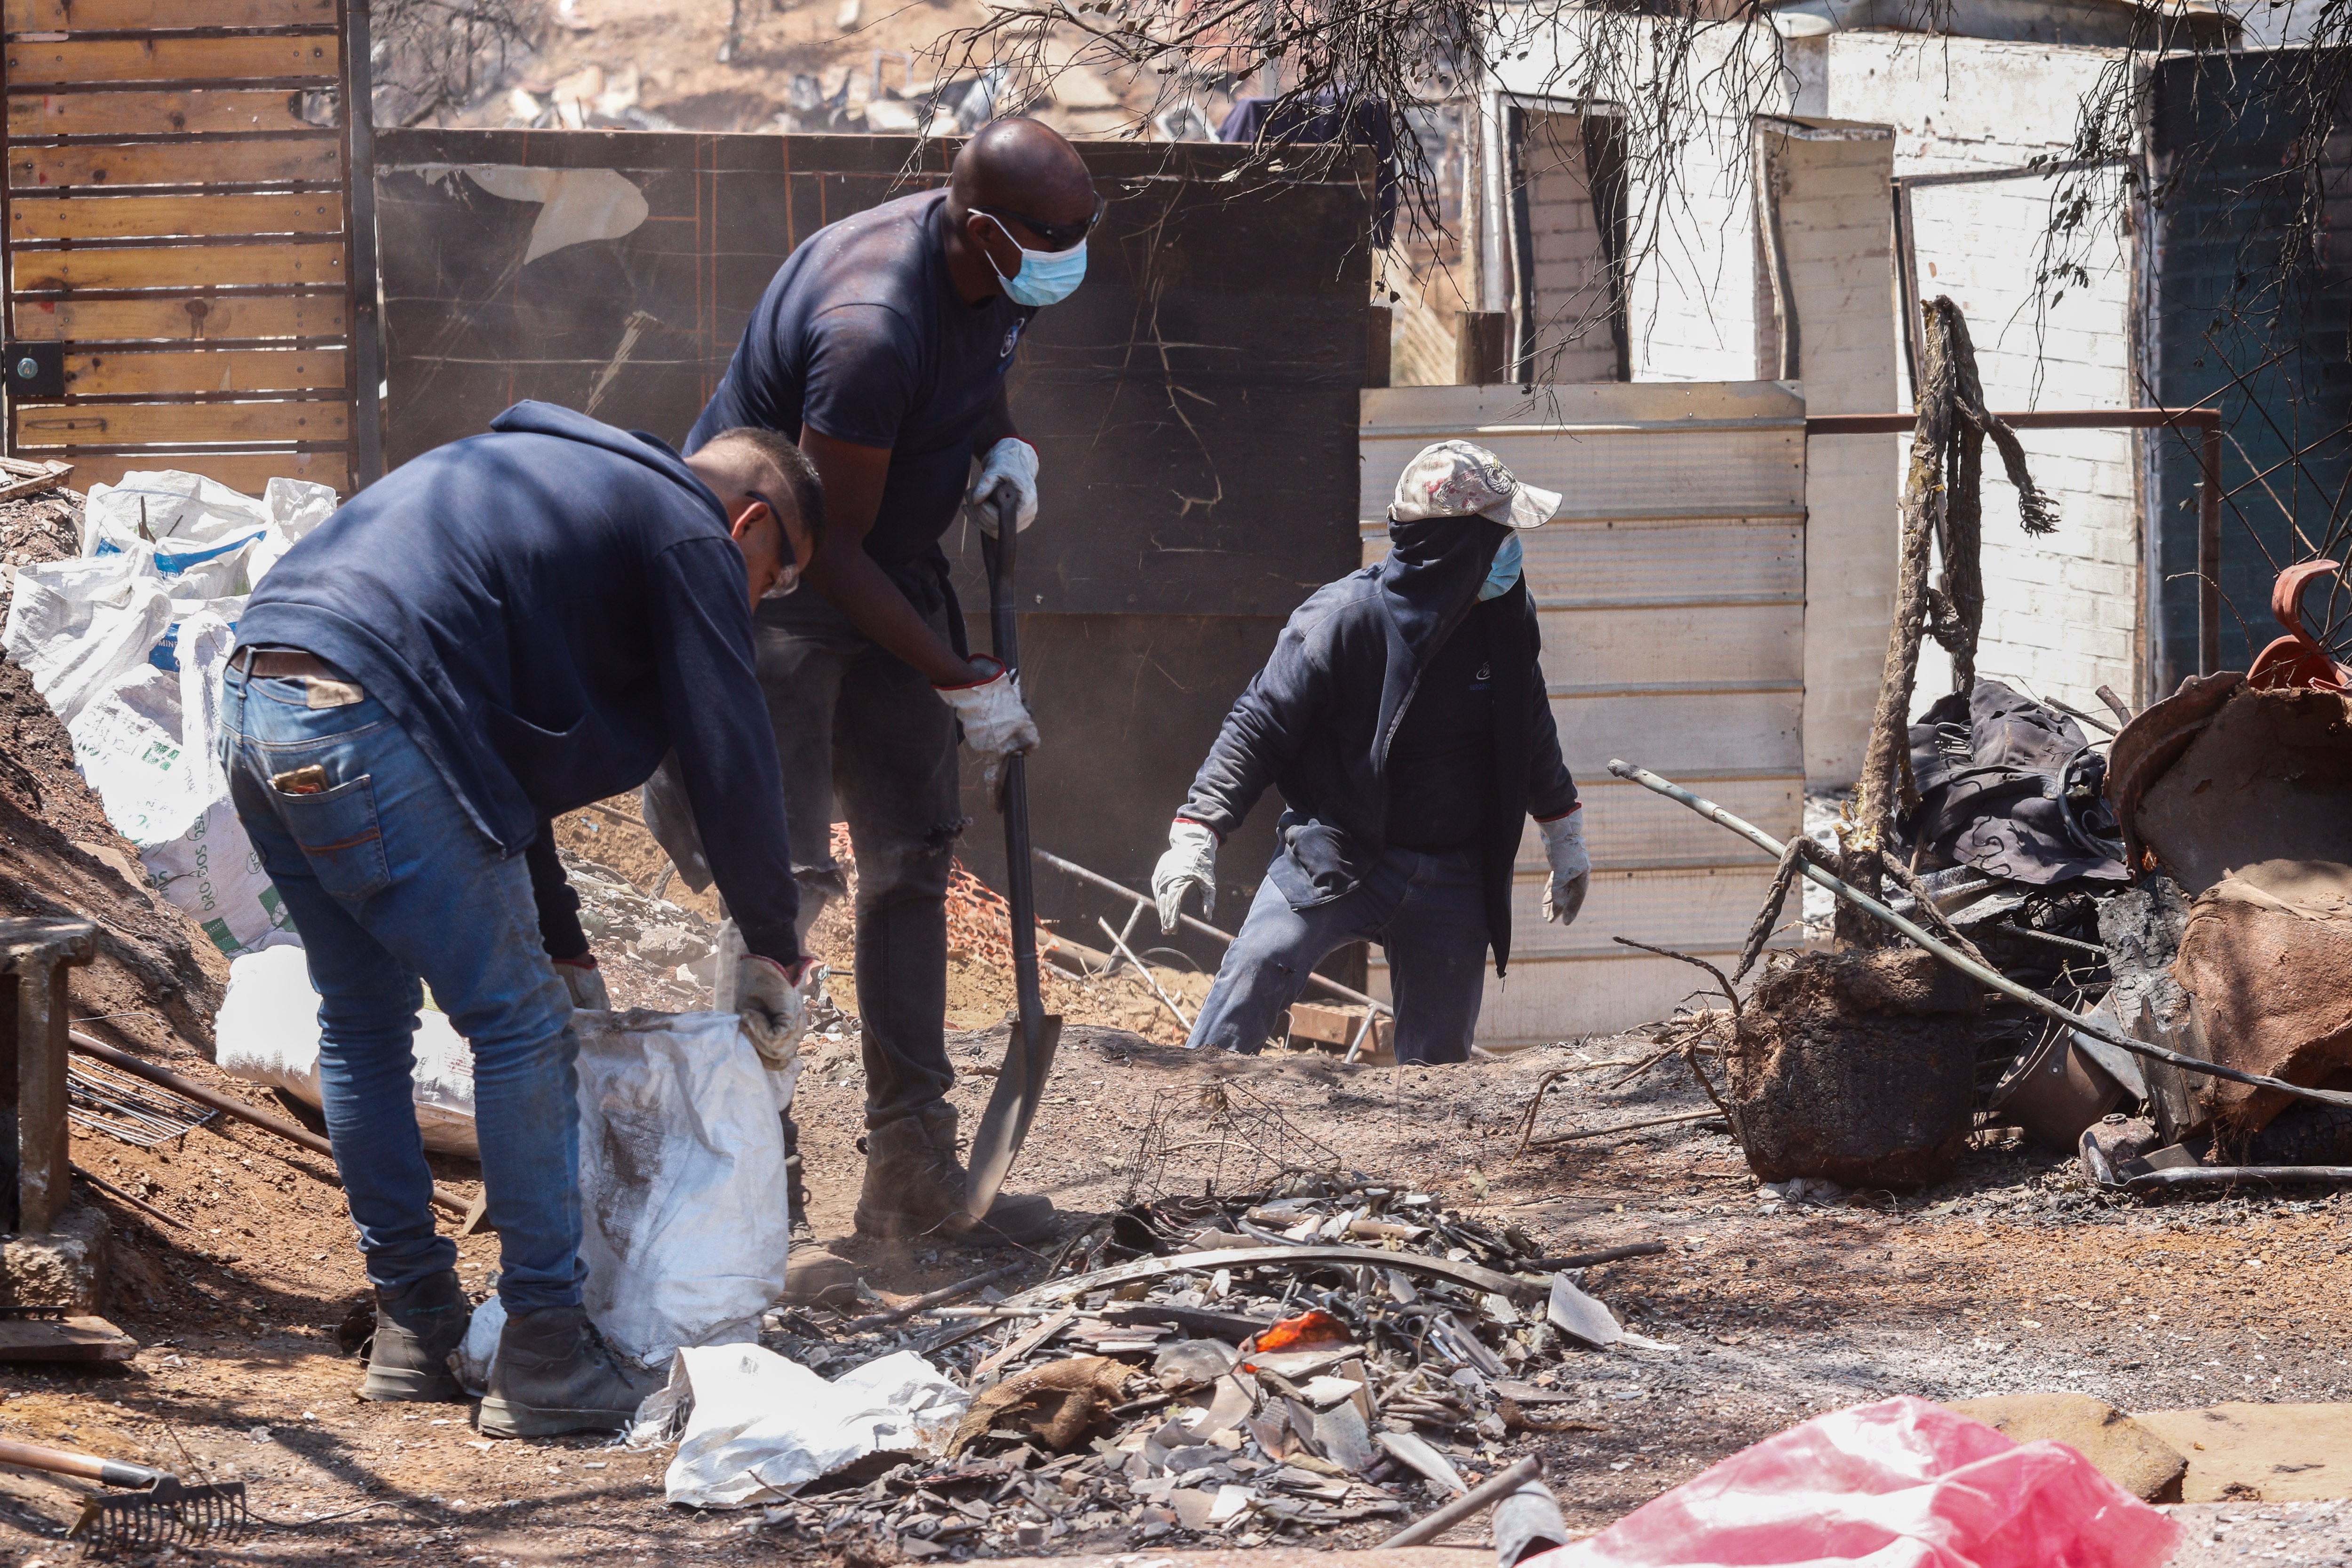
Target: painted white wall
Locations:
point(1835, 225)
point(1571, 336)
point(2062, 614)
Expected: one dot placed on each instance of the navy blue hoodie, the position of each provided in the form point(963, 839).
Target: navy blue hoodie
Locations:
point(546, 610)
point(1317, 722)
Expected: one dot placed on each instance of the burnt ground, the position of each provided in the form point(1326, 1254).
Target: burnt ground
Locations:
point(2009, 1277)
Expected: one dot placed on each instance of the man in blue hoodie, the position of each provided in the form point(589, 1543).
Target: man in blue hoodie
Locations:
point(499, 631)
point(1404, 717)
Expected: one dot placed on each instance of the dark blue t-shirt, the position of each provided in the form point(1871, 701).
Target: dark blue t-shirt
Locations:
point(863, 337)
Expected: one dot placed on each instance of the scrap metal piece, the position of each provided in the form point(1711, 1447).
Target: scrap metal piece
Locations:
point(1470, 1274)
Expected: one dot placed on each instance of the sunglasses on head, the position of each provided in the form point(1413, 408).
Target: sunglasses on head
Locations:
point(1057, 235)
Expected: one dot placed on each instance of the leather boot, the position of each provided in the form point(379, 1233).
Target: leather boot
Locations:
point(914, 1186)
point(417, 1327)
point(554, 1373)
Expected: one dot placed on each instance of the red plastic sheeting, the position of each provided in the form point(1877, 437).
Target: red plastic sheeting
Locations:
point(1899, 1484)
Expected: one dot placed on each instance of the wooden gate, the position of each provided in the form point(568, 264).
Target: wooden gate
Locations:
point(178, 243)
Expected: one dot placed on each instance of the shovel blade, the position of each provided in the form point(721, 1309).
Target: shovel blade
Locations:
point(1028, 1062)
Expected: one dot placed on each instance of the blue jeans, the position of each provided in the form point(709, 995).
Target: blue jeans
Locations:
point(1428, 912)
point(388, 880)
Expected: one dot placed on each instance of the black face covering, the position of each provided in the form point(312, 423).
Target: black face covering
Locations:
point(1433, 571)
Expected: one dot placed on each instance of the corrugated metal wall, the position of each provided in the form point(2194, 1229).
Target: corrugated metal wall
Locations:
point(1672, 594)
point(2230, 325)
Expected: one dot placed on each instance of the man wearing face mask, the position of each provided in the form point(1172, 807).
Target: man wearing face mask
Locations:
point(1404, 717)
point(881, 347)
point(496, 633)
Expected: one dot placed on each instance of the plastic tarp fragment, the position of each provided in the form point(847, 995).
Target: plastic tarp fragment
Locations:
point(1902, 1483)
point(758, 1427)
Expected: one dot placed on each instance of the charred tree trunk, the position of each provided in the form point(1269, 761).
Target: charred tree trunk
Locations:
point(1943, 508)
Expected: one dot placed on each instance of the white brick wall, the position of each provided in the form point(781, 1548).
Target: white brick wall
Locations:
point(1570, 334)
point(1833, 225)
point(2062, 614)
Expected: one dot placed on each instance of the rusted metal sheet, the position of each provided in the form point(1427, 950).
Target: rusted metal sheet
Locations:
point(2243, 798)
point(1194, 405)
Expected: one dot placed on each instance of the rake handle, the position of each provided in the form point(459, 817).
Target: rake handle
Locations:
point(88, 1467)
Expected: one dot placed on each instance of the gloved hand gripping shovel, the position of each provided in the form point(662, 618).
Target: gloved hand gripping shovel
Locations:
point(1029, 1057)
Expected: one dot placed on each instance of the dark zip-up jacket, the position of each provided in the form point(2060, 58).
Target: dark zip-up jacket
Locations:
point(546, 610)
point(1317, 722)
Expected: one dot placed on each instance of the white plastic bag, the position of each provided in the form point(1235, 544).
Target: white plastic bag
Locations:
point(149, 748)
point(77, 626)
point(759, 1427)
point(267, 1031)
point(215, 541)
point(681, 1180)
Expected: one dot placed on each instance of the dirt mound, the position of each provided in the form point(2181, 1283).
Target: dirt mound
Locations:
point(60, 855)
point(1857, 1068)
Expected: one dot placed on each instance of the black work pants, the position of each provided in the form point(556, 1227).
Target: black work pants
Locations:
point(863, 736)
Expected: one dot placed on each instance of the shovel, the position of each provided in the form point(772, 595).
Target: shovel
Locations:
point(1029, 1057)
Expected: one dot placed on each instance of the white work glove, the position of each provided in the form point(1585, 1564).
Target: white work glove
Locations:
point(995, 720)
point(773, 1005)
point(1572, 868)
point(1190, 861)
point(1010, 461)
point(584, 981)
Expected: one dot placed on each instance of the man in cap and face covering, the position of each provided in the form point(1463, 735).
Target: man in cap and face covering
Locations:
point(1403, 718)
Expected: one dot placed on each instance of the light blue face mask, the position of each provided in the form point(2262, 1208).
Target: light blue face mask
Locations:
point(1047, 277)
point(1503, 572)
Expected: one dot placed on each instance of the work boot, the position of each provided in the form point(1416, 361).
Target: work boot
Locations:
point(914, 1186)
point(554, 1373)
point(418, 1326)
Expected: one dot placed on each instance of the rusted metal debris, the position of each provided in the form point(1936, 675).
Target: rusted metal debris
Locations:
point(1183, 1380)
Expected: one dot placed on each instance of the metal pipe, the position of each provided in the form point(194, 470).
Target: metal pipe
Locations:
point(2209, 419)
point(1120, 942)
point(1203, 927)
point(1965, 965)
point(1476, 1501)
point(2231, 1175)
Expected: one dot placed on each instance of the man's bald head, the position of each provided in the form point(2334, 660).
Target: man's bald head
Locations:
point(1026, 166)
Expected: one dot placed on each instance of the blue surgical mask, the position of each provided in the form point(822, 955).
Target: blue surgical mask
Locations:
point(1503, 572)
point(1047, 277)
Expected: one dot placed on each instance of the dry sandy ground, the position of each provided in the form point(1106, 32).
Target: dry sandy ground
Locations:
point(2008, 1277)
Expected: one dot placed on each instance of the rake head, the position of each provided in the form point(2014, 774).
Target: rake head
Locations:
point(170, 1513)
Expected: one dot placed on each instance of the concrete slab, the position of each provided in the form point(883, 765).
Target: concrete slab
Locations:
point(2126, 1452)
point(64, 1267)
point(2273, 1453)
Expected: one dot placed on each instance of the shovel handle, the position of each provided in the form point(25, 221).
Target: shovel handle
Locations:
point(1020, 890)
point(87, 1467)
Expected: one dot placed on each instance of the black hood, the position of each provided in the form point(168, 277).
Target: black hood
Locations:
point(1430, 579)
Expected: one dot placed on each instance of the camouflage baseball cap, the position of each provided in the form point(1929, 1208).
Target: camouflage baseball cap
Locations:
point(1455, 479)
